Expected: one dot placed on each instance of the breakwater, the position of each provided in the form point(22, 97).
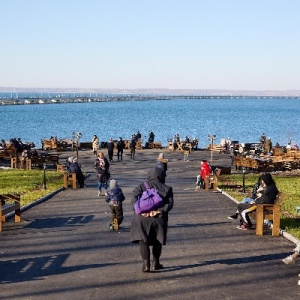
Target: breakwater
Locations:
point(109, 98)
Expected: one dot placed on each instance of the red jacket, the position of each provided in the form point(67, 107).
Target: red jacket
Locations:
point(205, 170)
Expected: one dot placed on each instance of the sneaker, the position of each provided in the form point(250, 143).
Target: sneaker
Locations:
point(99, 193)
point(289, 260)
point(234, 216)
point(243, 227)
point(111, 227)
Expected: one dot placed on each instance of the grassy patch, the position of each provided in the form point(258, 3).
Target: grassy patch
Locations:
point(290, 219)
point(29, 183)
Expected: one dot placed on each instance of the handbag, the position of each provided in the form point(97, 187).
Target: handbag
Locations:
point(148, 201)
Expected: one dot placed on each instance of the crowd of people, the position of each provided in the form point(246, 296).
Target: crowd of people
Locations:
point(119, 145)
point(16, 144)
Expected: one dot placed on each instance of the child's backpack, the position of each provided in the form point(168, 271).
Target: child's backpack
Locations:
point(149, 200)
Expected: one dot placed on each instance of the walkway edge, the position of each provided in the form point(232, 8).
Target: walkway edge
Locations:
point(285, 234)
point(36, 202)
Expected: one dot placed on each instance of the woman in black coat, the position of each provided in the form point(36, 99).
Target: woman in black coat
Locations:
point(266, 196)
point(150, 229)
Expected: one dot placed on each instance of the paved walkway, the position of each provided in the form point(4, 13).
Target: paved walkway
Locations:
point(63, 248)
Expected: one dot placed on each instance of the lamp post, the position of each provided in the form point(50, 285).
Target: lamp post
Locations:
point(76, 137)
point(211, 138)
point(44, 183)
point(244, 172)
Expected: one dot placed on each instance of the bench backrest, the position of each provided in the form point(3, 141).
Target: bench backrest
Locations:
point(280, 198)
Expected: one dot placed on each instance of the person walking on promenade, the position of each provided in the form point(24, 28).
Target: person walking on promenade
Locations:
point(150, 229)
point(262, 140)
point(291, 259)
point(95, 144)
point(120, 148)
point(114, 197)
point(268, 146)
point(138, 136)
point(102, 167)
point(151, 137)
point(132, 146)
point(110, 149)
point(162, 163)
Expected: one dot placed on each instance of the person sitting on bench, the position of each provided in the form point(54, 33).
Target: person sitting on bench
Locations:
point(267, 196)
point(74, 167)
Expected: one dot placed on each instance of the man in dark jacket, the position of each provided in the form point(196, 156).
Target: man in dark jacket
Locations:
point(132, 146)
point(110, 149)
point(150, 229)
point(120, 147)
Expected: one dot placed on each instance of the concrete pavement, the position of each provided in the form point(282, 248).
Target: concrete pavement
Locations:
point(63, 248)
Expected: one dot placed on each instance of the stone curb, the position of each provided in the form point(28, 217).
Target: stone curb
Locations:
point(36, 202)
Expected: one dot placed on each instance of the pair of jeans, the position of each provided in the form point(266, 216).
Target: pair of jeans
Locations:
point(101, 183)
point(247, 200)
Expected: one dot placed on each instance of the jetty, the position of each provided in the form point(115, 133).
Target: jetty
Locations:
point(84, 98)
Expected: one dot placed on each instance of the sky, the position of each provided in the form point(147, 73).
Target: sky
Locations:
point(150, 44)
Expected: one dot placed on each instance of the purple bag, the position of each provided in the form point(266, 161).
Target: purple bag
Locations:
point(149, 200)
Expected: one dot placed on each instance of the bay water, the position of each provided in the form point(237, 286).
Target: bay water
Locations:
point(242, 120)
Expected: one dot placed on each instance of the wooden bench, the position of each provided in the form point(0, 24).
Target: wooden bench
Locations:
point(40, 160)
point(61, 168)
point(153, 145)
point(212, 180)
point(70, 178)
point(6, 208)
point(6, 154)
point(270, 212)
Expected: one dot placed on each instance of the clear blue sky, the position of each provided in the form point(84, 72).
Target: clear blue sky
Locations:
point(129, 44)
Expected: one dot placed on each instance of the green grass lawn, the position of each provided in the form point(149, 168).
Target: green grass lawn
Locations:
point(290, 219)
point(29, 183)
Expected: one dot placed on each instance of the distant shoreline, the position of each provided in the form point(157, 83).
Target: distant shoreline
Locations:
point(108, 98)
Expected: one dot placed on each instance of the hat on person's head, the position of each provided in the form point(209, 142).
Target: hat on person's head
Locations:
point(113, 183)
point(161, 157)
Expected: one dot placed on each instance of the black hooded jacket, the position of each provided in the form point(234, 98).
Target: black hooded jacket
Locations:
point(140, 225)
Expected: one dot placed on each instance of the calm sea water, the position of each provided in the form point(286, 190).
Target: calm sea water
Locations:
point(242, 120)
